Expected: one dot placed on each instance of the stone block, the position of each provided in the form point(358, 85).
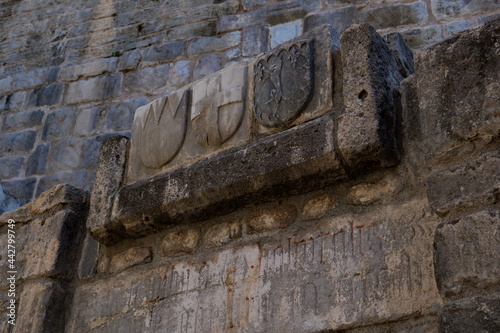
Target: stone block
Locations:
point(149, 81)
point(121, 115)
point(465, 186)
point(255, 40)
point(291, 161)
point(221, 234)
point(456, 27)
point(251, 4)
point(130, 258)
point(164, 53)
point(307, 91)
point(179, 75)
point(49, 95)
point(279, 217)
point(40, 308)
point(62, 196)
point(15, 102)
point(235, 22)
point(65, 155)
point(11, 167)
point(206, 65)
point(370, 81)
point(318, 207)
point(232, 55)
point(396, 15)
point(93, 68)
point(89, 260)
point(446, 10)
point(192, 30)
point(76, 179)
point(129, 60)
point(381, 191)
point(280, 13)
point(210, 11)
point(31, 79)
point(402, 53)
point(180, 242)
point(282, 33)
point(477, 314)
point(17, 142)
point(108, 178)
point(481, 20)
point(213, 44)
point(334, 3)
point(94, 89)
point(22, 120)
point(421, 37)
point(8, 203)
point(466, 253)
point(6, 85)
point(92, 148)
point(58, 124)
point(22, 189)
point(86, 121)
point(340, 18)
point(469, 114)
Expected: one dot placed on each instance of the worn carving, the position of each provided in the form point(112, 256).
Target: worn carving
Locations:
point(219, 106)
point(283, 83)
point(160, 129)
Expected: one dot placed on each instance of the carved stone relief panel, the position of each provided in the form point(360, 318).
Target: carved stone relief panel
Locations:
point(283, 83)
point(218, 106)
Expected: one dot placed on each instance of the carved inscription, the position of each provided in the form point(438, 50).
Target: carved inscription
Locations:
point(160, 129)
point(219, 106)
point(283, 83)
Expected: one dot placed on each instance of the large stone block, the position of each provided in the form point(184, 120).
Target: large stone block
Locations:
point(213, 44)
point(402, 53)
point(11, 167)
point(341, 19)
point(93, 68)
point(163, 53)
point(58, 124)
point(466, 254)
point(458, 89)
point(86, 121)
point(93, 146)
point(21, 189)
point(77, 179)
point(367, 128)
point(255, 40)
point(282, 33)
point(206, 65)
point(121, 115)
point(49, 95)
point(418, 38)
point(396, 15)
point(149, 81)
point(17, 142)
point(446, 10)
point(38, 160)
point(94, 89)
point(65, 155)
point(23, 120)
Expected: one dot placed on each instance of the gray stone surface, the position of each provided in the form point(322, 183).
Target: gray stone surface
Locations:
point(284, 32)
point(445, 10)
point(65, 155)
point(7, 203)
point(278, 163)
point(121, 115)
point(22, 120)
point(11, 167)
point(192, 30)
point(395, 15)
point(341, 19)
point(94, 89)
point(130, 258)
point(370, 80)
point(92, 148)
point(456, 27)
point(466, 253)
point(255, 40)
point(109, 176)
point(129, 60)
point(232, 54)
point(163, 53)
point(251, 4)
point(233, 22)
point(58, 124)
point(421, 37)
point(76, 179)
point(93, 68)
point(30, 79)
point(402, 53)
point(469, 112)
point(87, 266)
point(17, 142)
point(284, 12)
point(207, 64)
point(86, 121)
point(49, 95)
point(470, 184)
point(15, 102)
point(148, 81)
point(38, 160)
point(22, 189)
point(179, 75)
point(213, 44)
point(6, 85)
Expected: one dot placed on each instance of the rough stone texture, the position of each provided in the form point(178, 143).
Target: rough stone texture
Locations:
point(478, 314)
point(456, 27)
point(88, 263)
point(94, 68)
point(15, 102)
point(92, 147)
point(395, 15)
point(222, 234)
point(318, 207)
point(38, 160)
point(108, 178)
point(86, 121)
point(180, 242)
point(129, 60)
point(284, 32)
point(58, 124)
point(94, 89)
point(272, 219)
point(402, 53)
point(466, 254)
point(65, 155)
point(250, 4)
point(340, 19)
point(295, 159)
point(23, 120)
point(50, 95)
point(11, 167)
point(17, 142)
point(421, 37)
point(370, 80)
point(458, 93)
point(212, 44)
point(129, 258)
point(255, 40)
point(121, 115)
point(465, 186)
point(206, 65)
point(7, 203)
point(147, 81)
point(76, 179)
point(163, 53)
point(443, 9)
point(21, 189)
point(381, 191)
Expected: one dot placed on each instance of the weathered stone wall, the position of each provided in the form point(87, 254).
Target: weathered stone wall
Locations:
point(73, 72)
point(378, 214)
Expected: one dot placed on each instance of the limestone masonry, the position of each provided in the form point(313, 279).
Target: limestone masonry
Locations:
point(250, 166)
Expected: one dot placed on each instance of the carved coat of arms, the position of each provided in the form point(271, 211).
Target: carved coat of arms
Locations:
point(283, 83)
point(160, 129)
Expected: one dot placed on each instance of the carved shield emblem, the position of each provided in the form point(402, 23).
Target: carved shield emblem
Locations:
point(283, 83)
point(160, 128)
point(219, 106)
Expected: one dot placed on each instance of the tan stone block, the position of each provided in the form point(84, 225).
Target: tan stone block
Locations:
point(368, 193)
point(318, 207)
point(222, 234)
point(131, 257)
point(180, 242)
point(279, 217)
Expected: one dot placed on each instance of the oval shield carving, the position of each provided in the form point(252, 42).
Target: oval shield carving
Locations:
point(283, 84)
point(161, 129)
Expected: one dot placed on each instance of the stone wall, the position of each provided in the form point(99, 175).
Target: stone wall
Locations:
point(73, 72)
point(365, 200)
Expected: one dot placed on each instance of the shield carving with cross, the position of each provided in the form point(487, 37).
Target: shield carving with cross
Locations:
point(218, 106)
